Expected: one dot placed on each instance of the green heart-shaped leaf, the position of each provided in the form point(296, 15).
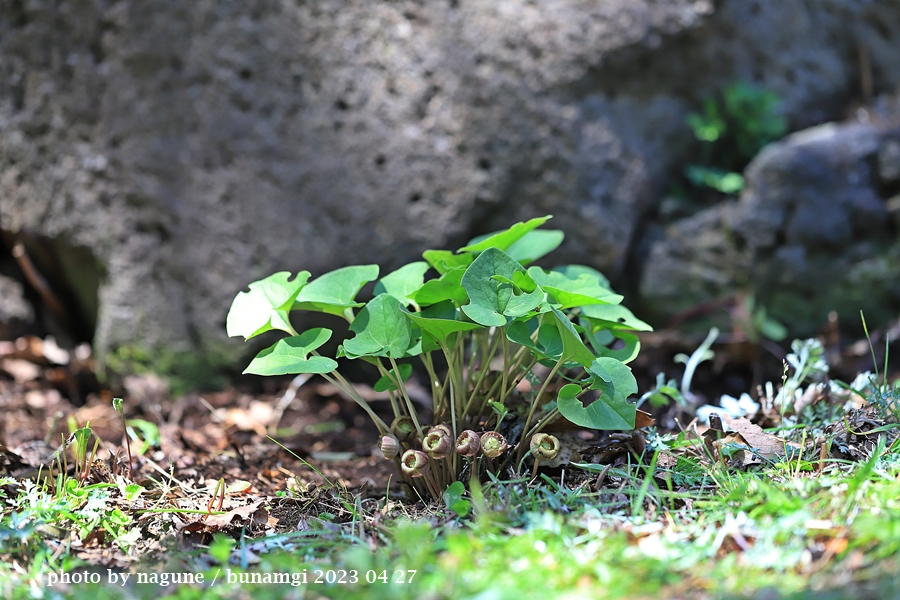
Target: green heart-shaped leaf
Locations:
point(602, 340)
point(610, 411)
point(424, 342)
point(613, 316)
point(335, 292)
point(576, 271)
point(291, 355)
point(504, 239)
point(535, 244)
point(492, 299)
point(573, 348)
point(403, 283)
point(386, 383)
point(582, 291)
point(549, 343)
point(447, 287)
point(444, 260)
point(266, 306)
point(520, 332)
point(440, 320)
point(615, 372)
point(381, 329)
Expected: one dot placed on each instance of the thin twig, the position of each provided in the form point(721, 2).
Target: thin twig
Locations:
point(286, 400)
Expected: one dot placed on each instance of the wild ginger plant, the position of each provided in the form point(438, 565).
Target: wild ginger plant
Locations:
point(522, 347)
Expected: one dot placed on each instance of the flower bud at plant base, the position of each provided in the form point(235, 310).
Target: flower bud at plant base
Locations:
point(544, 446)
point(442, 427)
point(389, 446)
point(468, 444)
point(414, 463)
point(403, 428)
point(493, 444)
point(437, 444)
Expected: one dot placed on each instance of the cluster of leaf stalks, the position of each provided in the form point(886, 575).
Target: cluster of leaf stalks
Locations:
point(508, 349)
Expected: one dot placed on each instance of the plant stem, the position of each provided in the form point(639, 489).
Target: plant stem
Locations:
point(506, 392)
point(546, 420)
point(459, 352)
point(338, 381)
point(485, 369)
point(409, 404)
point(127, 443)
point(385, 373)
point(536, 402)
point(434, 382)
point(454, 376)
point(476, 345)
point(517, 360)
point(90, 461)
point(504, 376)
point(432, 483)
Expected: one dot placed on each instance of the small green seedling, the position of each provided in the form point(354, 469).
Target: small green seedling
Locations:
point(133, 491)
point(221, 490)
point(218, 493)
point(79, 441)
point(144, 433)
point(495, 320)
point(117, 404)
point(453, 499)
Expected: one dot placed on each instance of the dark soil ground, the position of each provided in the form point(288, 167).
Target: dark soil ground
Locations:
point(45, 391)
point(325, 444)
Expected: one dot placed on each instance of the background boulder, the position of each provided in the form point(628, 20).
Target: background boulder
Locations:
point(814, 231)
point(182, 150)
point(16, 313)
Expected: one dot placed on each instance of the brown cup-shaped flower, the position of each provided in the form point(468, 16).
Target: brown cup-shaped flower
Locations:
point(493, 444)
point(437, 444)
point(404, 428)
point(414, 463)
point(442, 427)
point(468, 443)
point(544, 446)
point(389, 445)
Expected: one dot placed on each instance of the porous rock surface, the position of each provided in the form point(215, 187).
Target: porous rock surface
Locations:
point(16, 313)
point(815, 230)
point(193, 147)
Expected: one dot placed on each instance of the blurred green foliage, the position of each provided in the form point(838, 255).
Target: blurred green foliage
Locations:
point(732, 128)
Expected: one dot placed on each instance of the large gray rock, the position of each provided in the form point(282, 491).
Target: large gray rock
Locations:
point(193, 147)
point(813, 232)
point(16, 313)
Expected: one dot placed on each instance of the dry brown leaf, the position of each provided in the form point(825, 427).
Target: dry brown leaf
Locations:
point(765, 445)
point(53, 353)
point(836, 545)
point(42, 399)
point(810, 397)
point(102, 416)
point(643, 419)
point(22, 370)
point(247, 513)
point(10, 461)
point(7, 348)
point(256, 418)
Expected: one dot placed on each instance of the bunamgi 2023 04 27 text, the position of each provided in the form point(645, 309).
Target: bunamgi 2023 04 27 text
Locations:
point(165, 579)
